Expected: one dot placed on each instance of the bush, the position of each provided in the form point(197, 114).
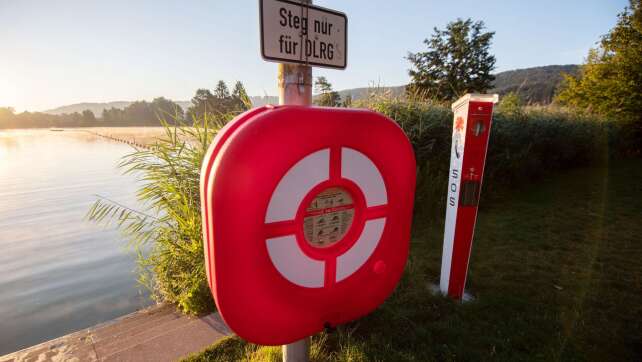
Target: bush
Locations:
point(167, 235)
point(429, 128)
point(524, 145)
point(511, 104)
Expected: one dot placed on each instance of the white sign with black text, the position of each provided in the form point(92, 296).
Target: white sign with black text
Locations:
point(292, 32)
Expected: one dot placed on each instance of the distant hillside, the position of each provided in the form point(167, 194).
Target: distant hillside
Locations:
point(534, 85)
point(97, 108)
point(361, 93)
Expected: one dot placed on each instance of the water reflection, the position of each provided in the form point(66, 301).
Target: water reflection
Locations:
point(59, 273)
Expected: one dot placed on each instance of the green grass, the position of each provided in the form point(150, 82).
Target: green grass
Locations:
point(556, 272)
point(525, 145)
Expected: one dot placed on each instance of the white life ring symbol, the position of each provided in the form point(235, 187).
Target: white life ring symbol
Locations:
point(284, 252)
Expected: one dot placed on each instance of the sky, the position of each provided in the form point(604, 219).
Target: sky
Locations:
point(54, 53)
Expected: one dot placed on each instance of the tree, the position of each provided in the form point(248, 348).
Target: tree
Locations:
point(221, 91)
point(511, 104)
point(327, 97)
point(347, 102)
point(113, 117)
point(240, 100)
point(167, 110)
point(7, 112)
point(7, 115)
point(141, 112)
point(458, 61)
point(610, 82)
point(73, 119)
point(88, 118)
point(201, 96)
point(202, 102)
point(220, 102)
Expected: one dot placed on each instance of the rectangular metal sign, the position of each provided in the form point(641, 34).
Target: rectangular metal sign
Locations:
point(292, 32)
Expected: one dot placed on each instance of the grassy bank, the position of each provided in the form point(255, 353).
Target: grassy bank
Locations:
point(526, 145)
point(555, 272)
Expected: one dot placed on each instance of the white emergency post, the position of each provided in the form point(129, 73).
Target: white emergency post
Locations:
point(471, 128)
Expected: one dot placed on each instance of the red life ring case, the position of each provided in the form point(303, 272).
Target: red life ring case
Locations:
point(306, 218)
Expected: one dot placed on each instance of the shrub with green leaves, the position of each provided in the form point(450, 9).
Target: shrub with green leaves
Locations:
point(167, 234)
point(511, 104)
point(524, 146)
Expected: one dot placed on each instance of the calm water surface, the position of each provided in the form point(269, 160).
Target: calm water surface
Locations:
point(58, 272)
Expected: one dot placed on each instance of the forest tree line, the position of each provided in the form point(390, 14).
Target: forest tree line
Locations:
point(138, 114)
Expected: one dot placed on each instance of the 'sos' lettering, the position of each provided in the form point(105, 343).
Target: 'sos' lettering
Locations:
point(453, 187)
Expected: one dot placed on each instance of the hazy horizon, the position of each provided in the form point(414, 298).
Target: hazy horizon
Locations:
point(73, 51)
point(251, 95)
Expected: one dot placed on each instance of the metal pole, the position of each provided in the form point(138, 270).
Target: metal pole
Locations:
point(295, 88)
point(297, 351)
point(295, 84)
point(295, 80)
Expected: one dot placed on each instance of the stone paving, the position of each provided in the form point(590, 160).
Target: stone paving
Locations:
point(157, 333)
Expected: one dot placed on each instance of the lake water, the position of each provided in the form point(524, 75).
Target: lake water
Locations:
point(58, 272)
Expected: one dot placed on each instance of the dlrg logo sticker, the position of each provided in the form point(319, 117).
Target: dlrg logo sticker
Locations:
point(306, 218)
